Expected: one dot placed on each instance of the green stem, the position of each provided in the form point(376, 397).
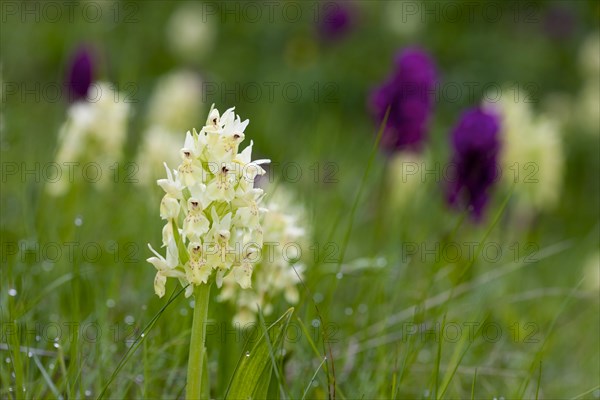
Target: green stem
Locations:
point(197, 349)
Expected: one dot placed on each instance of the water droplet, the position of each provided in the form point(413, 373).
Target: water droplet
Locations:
point(29, 354)
point(363, 308)
point(88, 393)
point(339, 275)
point(325, 358)
point(47, 266)
point(110, 303)
point(348, 311)
point(12, 292)
point(247, 354)
point(183, 311)
point(143, 335)
point(56, 345)
point(24, 389)
point(7, 360)
point(318, 297)
point(144, 307)
point(78, 221)
point(38, 338)
point(10, 389)
point(424, 356)
point(192, 303)
point(139, 378)
point(315, 323)
point(51, 366)
point(129, 320)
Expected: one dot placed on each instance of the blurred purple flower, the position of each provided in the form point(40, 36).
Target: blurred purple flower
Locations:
point(409, 92)
point(476, 144)
point(336, 20)
point(559, 22)
point(80, 74)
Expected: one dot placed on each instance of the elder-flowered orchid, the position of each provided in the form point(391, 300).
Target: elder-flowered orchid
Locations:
point(211, 207)
point(276, 271)
point(166, 267)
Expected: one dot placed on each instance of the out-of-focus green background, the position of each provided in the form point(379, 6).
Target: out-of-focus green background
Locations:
point(307, 100)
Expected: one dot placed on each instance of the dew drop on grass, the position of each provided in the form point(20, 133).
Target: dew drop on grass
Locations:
point(247, 354)
point(47, 266)
point(183, 312)
point(12, 292)
point(51, 365)
point(78, 220)
point(110, 303)
point(339, 275)
point(7, 360)
point(88, 393)
point(318, 297)
point(315, 323)
point(129, 320)
point(38, 338)
point(363, 308)
point(56, 345)
point(424, 356)
point(29, 354)
point(143, 335)
point(192, 303)
point(348, 311)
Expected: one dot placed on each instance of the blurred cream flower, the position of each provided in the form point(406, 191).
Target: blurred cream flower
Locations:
point(587, 104)
point(94, 132)
point(405, 180)
point(589, 56)
point(176, 101)
point(158, 145)
point(173, 108)
point(531, 154)
point(207, 228)
point(277, 272)
point(591, 270)
point(403, 18)
point(191, 32)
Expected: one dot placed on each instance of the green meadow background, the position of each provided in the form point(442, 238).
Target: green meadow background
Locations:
point(382, 313)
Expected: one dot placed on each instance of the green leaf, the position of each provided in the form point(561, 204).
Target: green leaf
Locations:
point(252, 375)
point(181, 249)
